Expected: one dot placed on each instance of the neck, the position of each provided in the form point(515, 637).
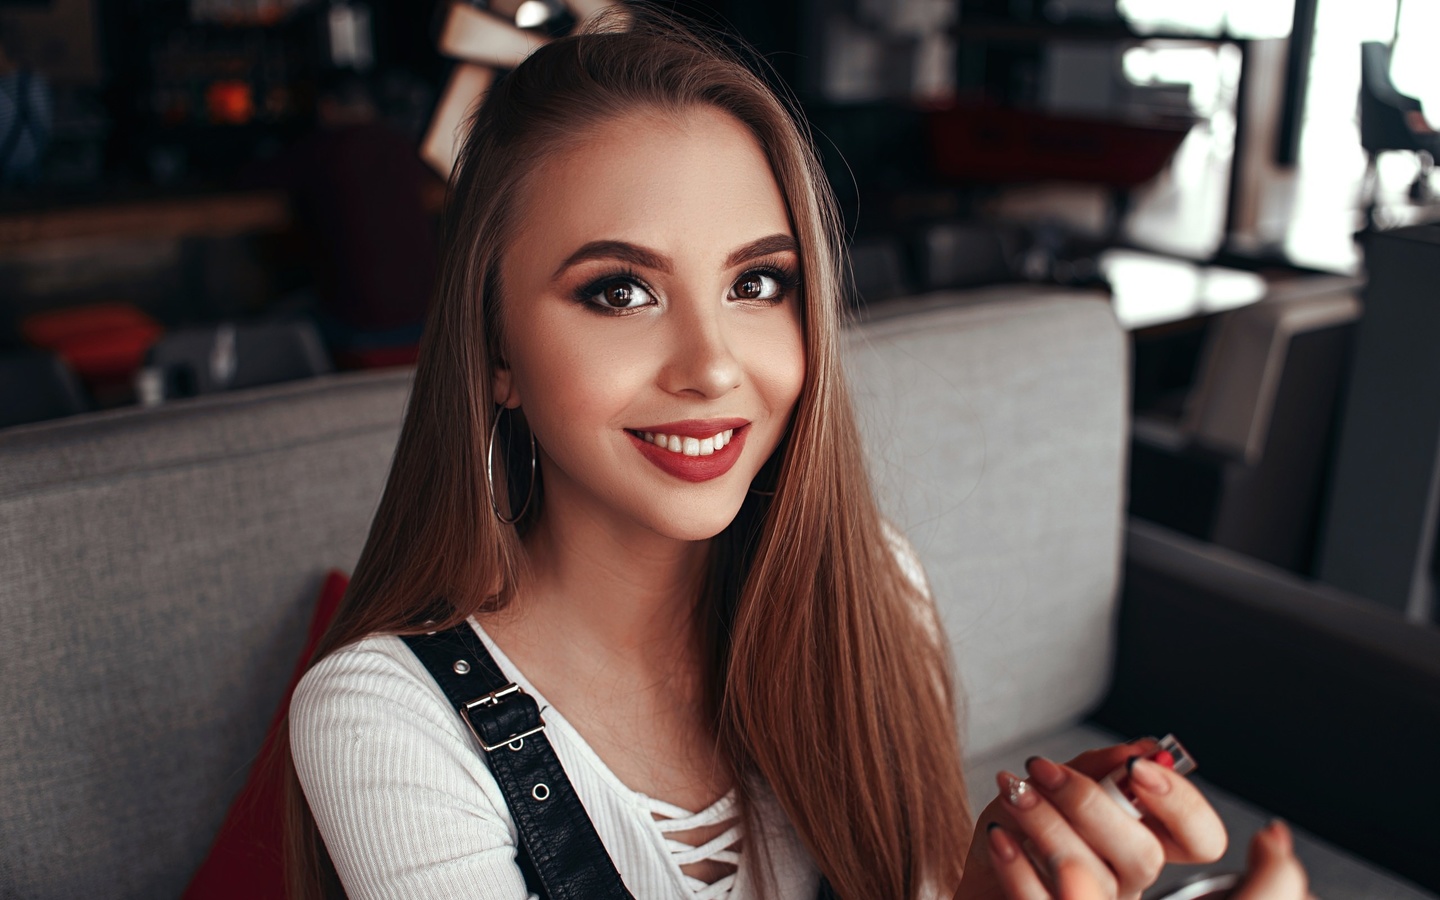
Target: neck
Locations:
point(627, 595)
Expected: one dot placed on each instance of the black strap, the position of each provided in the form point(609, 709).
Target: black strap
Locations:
point(561, 854)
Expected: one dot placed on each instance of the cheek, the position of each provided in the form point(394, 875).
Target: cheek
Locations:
point(567, 373)
point(779, 364)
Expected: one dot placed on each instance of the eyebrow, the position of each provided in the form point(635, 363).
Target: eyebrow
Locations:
point(646, 258)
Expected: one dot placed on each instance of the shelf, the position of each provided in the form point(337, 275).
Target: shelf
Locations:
point(210, 215)
point(1039, 32)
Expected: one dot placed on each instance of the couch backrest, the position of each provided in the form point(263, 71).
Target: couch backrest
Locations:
point(159, 567)
point(997, 429)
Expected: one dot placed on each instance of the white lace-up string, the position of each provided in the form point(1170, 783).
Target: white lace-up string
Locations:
point(722, 848)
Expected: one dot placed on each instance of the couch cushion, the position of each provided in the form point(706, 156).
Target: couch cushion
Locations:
point(159, 569)
point(996, 425)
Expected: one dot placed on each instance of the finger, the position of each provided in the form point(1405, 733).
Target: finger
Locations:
point(1048, 833)
point(1017, 877)
point(1190, 829)
point(1272, 872)
point(1074, 882)
point(1100, 762)
point(1132, 851)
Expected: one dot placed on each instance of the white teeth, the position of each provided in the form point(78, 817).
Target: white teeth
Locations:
point(689, 446)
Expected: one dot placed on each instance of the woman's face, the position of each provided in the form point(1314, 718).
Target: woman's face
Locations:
point(653, 335)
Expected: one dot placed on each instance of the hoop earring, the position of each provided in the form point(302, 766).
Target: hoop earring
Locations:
point(490, 473)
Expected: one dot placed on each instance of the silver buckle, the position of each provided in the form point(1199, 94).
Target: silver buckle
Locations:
point(514, 741)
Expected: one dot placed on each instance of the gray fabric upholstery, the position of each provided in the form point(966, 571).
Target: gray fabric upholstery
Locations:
point(159, 572)
point(997, 431)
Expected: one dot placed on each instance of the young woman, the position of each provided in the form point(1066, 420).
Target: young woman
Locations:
point(629, 462)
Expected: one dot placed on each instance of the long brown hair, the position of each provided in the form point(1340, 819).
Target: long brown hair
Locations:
point(822, 671)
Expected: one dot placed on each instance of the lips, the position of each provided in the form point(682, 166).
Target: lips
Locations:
point(690, 436)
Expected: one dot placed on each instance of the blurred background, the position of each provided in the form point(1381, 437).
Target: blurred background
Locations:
point(198, 196)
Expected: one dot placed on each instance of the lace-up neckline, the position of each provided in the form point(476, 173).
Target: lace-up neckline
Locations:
point(723, 848)
point(667, 818)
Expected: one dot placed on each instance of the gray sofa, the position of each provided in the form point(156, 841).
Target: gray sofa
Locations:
point(159, 568)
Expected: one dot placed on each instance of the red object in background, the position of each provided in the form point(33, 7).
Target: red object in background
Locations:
point(230, 102)
point(376, 357)
point(993, 143)
point(104, 344)
point(245, 861)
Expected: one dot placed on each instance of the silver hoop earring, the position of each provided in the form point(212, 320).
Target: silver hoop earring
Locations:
point(490, 473)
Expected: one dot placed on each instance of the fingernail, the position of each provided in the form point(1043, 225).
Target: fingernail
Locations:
point(1002, 846)
point(1017, 791)
point(1280, 835)
point(1142, 738)
point(1148, 775)
point(1045, 773)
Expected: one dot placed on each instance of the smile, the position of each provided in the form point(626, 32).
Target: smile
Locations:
point(689, 446)
point(692, 451)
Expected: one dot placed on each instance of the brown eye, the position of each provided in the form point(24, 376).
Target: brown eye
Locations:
point(615, 295)
point(756, 286)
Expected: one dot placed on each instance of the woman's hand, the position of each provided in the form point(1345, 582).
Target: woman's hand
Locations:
point(1272, 873)
point(1061, 827)
point(1060, 819)
point(1271, 870)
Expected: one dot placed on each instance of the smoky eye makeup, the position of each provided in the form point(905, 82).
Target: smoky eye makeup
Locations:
point(751, 286)
point(622, 291)
point(615, 293)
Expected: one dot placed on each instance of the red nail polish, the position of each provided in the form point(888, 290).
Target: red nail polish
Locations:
point(1169, 754)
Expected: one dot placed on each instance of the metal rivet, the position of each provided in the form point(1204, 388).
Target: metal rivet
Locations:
point(540, 792)
point(461, 667)
point(517, 744)
point(429, 622)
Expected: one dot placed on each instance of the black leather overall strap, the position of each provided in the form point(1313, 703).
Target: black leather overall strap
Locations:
point(561, 854)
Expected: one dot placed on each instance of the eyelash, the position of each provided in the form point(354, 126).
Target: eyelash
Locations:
point(784, 276)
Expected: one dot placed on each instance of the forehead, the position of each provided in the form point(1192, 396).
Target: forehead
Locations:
point(692, 184)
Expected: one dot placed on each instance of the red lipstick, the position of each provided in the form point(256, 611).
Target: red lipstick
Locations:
point(693, 468)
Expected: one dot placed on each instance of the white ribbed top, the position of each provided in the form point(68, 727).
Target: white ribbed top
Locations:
point(408, 808)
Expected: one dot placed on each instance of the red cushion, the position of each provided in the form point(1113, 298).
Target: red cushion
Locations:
point(104, 341)
point(245, 860)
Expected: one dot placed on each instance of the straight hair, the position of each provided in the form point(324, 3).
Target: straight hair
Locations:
point(824, 672)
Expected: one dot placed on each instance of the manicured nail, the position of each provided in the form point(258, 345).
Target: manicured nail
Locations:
point(1045, 773)
point(1016, 791)
point(1148, 775)
point(1002, 846)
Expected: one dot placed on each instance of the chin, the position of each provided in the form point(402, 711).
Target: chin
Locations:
point(697, 521)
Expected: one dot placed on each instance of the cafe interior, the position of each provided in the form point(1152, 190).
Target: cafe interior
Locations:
point(208, 203)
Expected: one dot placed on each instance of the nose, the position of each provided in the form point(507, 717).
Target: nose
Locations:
point(699, 359)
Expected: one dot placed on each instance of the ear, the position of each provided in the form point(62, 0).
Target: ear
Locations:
point(502, 386)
